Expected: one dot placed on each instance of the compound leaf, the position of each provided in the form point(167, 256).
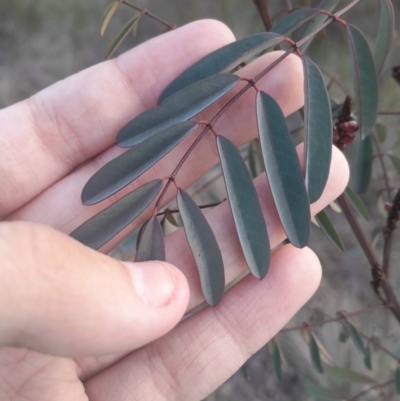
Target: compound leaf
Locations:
point(315, 356)
point(347, 375)
point(294, 20)
point(277, 361)
point(123, 33)
point(283, 170)
point(362, 165)
point(151, 244)
point(204, 247)
point(246, 210)
point(108, 14)
point(125, 168)
point(318, 130)
point(224, 59)
point(357, 203)
point(365, 80)
point(328, 228)
point(180, 107)
point(384, 38)
point(105, 225)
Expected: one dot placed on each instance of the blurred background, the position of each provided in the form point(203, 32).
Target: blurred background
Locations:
point(44, 41)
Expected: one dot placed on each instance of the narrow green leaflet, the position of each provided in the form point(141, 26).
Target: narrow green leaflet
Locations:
point(123, 33)
point(125, 168)
point(314, 354)
point(151, 244)
point(105, 225)
point(358, 342)
point(108, 14)
point(365, 80)
point(318, 130)
point(397, 380)
point(347, 375)
point(205, 249)
point(224, 59)
point(294, 20)
point(395, 161)
point(277, 361)
point(357, 203)
point(252, 161)
point(180, 107)
point(314, 23)
point(368, 358)
point(362, 165)
point(283, 170)
point(321, 393)
point(344, 333)
point(384, 38)
point(380, 132)
point(246, 209)
point(328, 228)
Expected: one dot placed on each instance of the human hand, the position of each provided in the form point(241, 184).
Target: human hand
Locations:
point(71, 316)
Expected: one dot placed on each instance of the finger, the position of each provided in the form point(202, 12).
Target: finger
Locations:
point(60, 206)
point(221, 221)
point(205, 350)
point(48, 135)
point(59, 297)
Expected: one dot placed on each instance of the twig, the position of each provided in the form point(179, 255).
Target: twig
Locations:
point(262, 8)
point(378, 279)
point(389, 113)
point(166, 211)
point(335, 319)
point(381, 347)
point(149, 14)
point(378, 385)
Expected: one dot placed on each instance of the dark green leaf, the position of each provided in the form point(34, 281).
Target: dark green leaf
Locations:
point(151, 245)
point(283, 170)
point(367, 358)
point(357, 203)
point(396, 162)
point(243, 371)
point(380, 132)
point(123, 33)
point(318, 130)
point(362, 165)
point(224, 59)
point(125, 168)
point(397, 380)
point(328, 228)
point(294, 20)
point(204, 248)
point(347, 375)
point(384, 38)
point(246, 210)
point(108, 223)
point(314, 353)
point(277, 361)
point(252, 161)
point(314, 23)
point(356, 339)
point(365, 80)
point(110, 10)
point(180, 107)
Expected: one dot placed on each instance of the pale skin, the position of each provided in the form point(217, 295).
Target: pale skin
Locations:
point(70, 316)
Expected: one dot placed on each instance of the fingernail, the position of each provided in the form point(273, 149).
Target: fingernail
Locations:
point(154, 282)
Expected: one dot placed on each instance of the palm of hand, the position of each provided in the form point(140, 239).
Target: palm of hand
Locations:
point(61, 298)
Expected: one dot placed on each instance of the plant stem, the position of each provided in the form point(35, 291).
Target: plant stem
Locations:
point(382, 163)
point(378, 385)
point(262, 8)
point(381, 347)
point(389, 113)
point(335, 319)
point(200, 206)
point(149, 14)
point(378, 278)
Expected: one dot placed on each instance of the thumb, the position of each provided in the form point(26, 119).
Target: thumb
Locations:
point(62, 298)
